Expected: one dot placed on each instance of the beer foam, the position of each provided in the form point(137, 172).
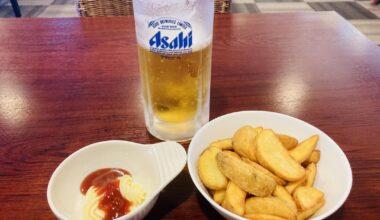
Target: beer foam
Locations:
point(199, 13)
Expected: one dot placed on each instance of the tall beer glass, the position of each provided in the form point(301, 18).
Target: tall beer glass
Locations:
point(174, 47)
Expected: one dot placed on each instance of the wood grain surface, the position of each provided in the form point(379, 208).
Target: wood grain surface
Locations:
point(66, 83)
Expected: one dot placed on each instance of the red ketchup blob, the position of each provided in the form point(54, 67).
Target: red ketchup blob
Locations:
point(105, 180)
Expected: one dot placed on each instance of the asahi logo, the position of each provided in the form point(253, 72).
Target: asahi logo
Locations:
point(172, 36)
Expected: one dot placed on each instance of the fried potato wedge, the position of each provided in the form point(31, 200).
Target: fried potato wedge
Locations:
point(314, 157)
point(232, 153)
point(234, 199)
point(291, 186)
point(272, 155)
point(287, 141)
point(224, 144)
point(254, 216)
point(209, 172)
point(303, 150)
point(281, 193)
point(308, 213)
point(311, 173)
point(270, 206)
point(245, 176)
point(261, 168)
point(218, 196)
point(307, 197)
point(243, 142)
point(259, 129)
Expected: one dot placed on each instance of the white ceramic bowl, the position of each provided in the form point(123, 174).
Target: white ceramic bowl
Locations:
point(152, 166)
point(334, 176)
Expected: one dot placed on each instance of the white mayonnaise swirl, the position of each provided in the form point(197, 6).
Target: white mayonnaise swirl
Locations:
point(90, 209)
point(131, 191)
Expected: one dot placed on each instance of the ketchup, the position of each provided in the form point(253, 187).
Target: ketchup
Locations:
point(105, 180)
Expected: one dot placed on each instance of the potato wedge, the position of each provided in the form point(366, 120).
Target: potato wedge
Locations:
point(243, 142)
point(307, 197)
point(234, 199)
point(224, 144)
point(287, 141)
point(259, 129)
point(254, 216)
point(314, 157)
point(311, 173)
point(291, 186)
point(308, 213)
point(232, 153)
point(281, 193)
point(303, 150)
point(245, 176)
point(208, 170)
point(261, 168)
point(272, 155)
point(218, 196)
point(270, 206)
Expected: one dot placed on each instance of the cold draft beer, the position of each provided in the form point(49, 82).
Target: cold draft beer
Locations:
point(174, 52)
point(175, 97)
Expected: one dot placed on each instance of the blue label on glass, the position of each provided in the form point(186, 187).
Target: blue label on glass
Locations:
point(171, 36)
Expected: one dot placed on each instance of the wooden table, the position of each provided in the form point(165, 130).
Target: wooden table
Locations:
point(66, 83)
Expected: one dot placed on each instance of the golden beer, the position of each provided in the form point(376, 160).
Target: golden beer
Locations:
point(176, 87)
point(174, 40)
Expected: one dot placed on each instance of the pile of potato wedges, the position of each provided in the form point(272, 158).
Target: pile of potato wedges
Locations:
point(262, 175)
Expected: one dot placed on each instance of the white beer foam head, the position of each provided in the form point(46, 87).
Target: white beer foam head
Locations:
point(199, 13)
